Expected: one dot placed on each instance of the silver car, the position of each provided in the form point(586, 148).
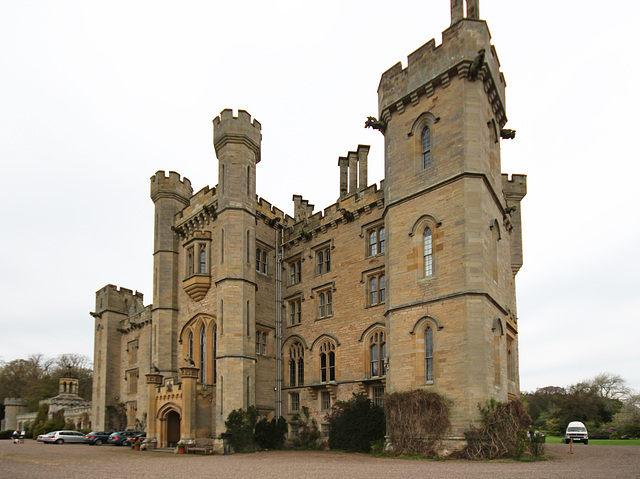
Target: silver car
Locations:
point(60, 437)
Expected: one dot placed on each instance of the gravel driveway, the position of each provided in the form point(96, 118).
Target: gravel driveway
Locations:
point(34, 460)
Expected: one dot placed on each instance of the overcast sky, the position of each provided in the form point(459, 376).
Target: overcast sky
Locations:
point(96, 96)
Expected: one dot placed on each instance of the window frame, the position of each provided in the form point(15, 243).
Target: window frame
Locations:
point(376, 288)
point(377, 343)
point(376, 246)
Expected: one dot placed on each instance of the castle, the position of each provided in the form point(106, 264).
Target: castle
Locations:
point(407, 285)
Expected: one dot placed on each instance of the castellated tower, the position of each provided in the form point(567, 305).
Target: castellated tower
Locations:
point(113, 305)
point(237, 144)
point(170, 195)
point(452, 232)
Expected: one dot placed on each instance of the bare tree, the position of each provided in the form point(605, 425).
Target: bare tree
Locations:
point(610, 386)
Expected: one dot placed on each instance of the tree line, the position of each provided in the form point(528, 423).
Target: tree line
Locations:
point(607, 406)
point(36, 377)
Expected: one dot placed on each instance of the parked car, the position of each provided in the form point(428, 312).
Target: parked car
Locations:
point(576, 431)
point(60, 437)
point(131, 442)
point(42, 436)
point(97, 438)
point(122, 437)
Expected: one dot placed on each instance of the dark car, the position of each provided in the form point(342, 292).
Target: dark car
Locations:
point(121, 438)
point(97, 438)
point(132, 441)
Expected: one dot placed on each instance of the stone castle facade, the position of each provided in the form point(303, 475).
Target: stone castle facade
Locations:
point(409, 284)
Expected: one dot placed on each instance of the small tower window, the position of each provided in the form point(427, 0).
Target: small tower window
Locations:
point(426, 148)
point(428, 355)
point(427, 252)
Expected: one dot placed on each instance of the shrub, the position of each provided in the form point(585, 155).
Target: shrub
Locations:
point(270, 434)
point(502, 434)
point(417, 421)
point(6, 434)
point(355, 424)
point(308, 433)
point(241, 424)
point(632, 430)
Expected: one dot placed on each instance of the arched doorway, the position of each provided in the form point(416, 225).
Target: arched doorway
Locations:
point(173, 428)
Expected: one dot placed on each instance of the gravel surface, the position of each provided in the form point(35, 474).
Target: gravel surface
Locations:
point(34, 460)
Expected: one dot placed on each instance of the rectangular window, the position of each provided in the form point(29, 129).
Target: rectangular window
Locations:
point(325, 401)
point(295, 312)
point(376, 241)
point(132, 381)
point(261, 261)
point(132, 351)
point(323, 259)
point(295, 272)
point(258, 343)
point(378, 396)
point(189, 261)
point(294, 430)
point(295, 401)
point(321, 262)
point(325, 430)
point(377, 289)
point(264, 344)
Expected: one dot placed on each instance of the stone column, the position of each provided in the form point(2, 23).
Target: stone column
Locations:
point(189, 377)
point(153, 381)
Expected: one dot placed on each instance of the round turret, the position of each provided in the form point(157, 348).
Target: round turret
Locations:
point(170, 187)
point(238, 130)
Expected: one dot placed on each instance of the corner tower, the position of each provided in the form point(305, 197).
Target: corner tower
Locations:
point(237, 143)
point(451, 288)
point(170, 194)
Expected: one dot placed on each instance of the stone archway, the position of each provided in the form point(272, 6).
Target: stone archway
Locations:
point(172, 433)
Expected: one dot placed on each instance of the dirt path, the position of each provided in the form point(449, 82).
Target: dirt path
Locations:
point(35, 460)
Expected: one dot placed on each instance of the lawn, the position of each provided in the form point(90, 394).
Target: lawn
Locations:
point(599, 442)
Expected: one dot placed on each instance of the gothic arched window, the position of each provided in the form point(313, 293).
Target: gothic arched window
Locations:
point(327, 362)
point(296, 364)
point(427, 252)
point(426, 148)
point(203, 354)
point(428, 355)
point(377, 354)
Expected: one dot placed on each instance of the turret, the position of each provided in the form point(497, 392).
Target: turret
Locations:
point(237, 144)
point(170, 194)
point(113, 304)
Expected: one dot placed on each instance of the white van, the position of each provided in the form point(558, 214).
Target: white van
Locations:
point(576, 431)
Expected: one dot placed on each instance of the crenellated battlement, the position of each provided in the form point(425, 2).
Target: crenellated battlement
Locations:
point(121, 300)
point(431, 67)
point(516, 187)
point(19, 402)
point(172, 186)
point(239, 129)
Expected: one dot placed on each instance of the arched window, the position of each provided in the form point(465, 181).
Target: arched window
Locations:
point(190, 346)
point(203, 354)
point(428, 355)
point(427, 252)
point(426, 147)
point(327, 362)
point(203, 258)
point(377, 354)
point(296, 364)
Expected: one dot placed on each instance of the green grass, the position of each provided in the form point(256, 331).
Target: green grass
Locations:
point(599, 442)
